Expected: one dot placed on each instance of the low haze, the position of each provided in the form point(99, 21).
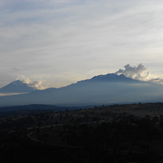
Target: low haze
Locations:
point(58, 42)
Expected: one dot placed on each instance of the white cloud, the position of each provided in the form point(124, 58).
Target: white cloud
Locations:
point(139, 72)
point(34, 84)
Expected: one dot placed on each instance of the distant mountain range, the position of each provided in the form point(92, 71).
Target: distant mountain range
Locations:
point(34, 107)
point(101, 89)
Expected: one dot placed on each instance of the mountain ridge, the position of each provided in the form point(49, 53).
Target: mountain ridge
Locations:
point(18, 86)
point(101, 89)
point(111, 77)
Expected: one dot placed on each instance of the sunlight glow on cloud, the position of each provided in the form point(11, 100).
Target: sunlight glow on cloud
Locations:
point(34, 84)
point(139, 72)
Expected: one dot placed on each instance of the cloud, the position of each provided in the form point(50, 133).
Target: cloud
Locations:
point(35, 84)
point(139, 72)
point(10, 94)
point(156, 81)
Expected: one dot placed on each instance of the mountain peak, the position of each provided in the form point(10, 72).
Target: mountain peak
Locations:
point(16, 86)
point(17, 82)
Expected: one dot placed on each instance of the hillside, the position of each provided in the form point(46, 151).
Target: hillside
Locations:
point(116, 133)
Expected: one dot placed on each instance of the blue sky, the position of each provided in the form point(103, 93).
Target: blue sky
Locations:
point(63, 41)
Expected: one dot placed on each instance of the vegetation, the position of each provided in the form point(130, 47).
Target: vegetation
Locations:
point(116, 134)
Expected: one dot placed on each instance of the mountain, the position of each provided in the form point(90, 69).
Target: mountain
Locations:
point(16, 87)
point(99, 90)
point(112, 77)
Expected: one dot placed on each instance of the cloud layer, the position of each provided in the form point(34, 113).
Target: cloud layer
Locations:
point(51, 38)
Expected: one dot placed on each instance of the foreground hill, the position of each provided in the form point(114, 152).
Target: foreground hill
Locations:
point(102, 89)
point(116, 134)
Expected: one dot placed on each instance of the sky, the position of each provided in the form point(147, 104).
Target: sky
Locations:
point(53, 43)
